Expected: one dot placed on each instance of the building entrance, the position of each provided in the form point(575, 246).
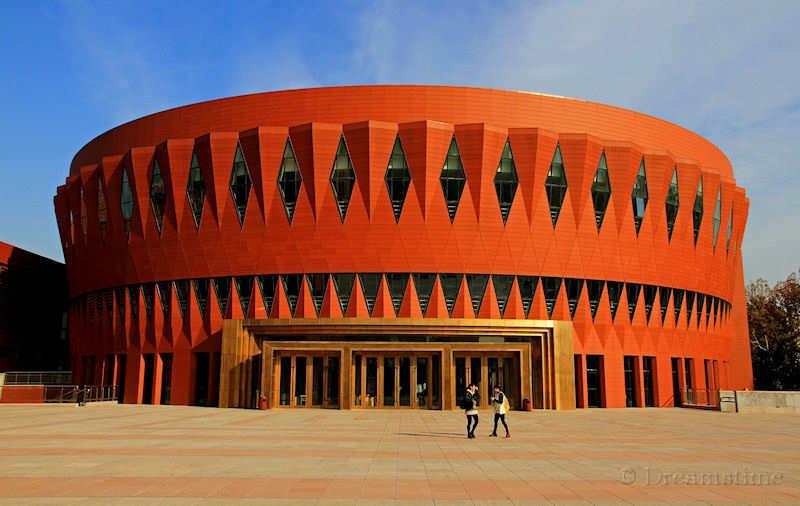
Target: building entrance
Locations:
point(397, 380)
point(487, 370)
point(307, 379)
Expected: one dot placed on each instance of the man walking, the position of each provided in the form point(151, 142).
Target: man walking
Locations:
point(472, 399)
point(500, 403)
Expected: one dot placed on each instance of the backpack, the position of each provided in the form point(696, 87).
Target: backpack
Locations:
point(466, 403)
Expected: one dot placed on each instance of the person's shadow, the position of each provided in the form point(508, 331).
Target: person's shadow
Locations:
point(432, 434)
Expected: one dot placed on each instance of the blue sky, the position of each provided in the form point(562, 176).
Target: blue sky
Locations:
point(727, 70)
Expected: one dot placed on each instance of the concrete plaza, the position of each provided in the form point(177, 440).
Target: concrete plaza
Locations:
point(126, 454)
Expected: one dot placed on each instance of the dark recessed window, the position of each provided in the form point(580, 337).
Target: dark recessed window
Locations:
point(663, 298)
point(639, 197)
point(343, 178)
point(370, 284)
point(222, 289)
point(133, 296)
point(551, 287)
point(453, 179)
point(527, 289)
point(158, 194)
point(343, 282)
point(716, 310)
point(84, 217)
point(267, 284)
point(165, 296)
point(614, 293)
point(451, 285)
point(102, 209)
point(477, 287)
point(201, 287)
point(397, 178)
point(632, 291)
point(730, 234)
point(148, 295)
point(697, 210)
point(556, 185)
point(717, 218)
point(397, 282)
point(574, 288)
point(649, 298)
point(240, 184)
point(119, 294)
point(502, 289)
point(506, 181)
point(317, 286)
point(689, 305)
point(677, 302)
point(423, 283)
point(289, 180)
point(672, 203)
point(244, 287)
point(196, 190)
point(594, 287)
point(126, 200)
point(601, 191)
point(700, 299)
point(291, 287)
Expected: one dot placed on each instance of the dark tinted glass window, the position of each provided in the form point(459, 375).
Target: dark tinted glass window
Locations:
point(133, 297)
point(639, 197)
point(397, 178)
point(289, 180)
point(677, 302)
point(527, 289)
point(370, 284)
point(267, 284)
point(158, 194)
point(551, 287)
point(601, 191)
point(477, 287)
point(317, 286)
point(222, 289)
point(672, 203)
point(453, 178)
point(423, 283)
point(689, 305)
point(730, 233)
point(574, 288)
point(244, 288)
point(594, 287)
point(201, 287)
point(166, 296)
point(697, 210)
point(148, 294)
point(397, 283)
point(556, 185)
point(717, 218)
point(196, 190)
point(343, 178)
point(343, 282)
point(240, 184)
point(502, 289)
point(649, 298)
point(126, 200)
point(451, 285)
point(632, 291)
point(663, 299)
point(506, 181)
point(291, 287)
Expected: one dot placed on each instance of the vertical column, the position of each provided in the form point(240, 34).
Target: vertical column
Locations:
point(413, 380)
point(396, 381)
point(638, 374)
point(134, 380)
point(158, 368)
point(325, 369)
point(663, 381)
point(363, 381)
point(429, 381)
point(379, 400)
point(448, 378)
point(213, 379)
point(563, 365)
point(292, 399)
point(346, 381)
point(485, 380)
point(582, 395)
point(309, 379)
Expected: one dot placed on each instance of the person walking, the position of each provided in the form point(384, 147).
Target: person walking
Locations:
point(500, 403)
point(470, 403)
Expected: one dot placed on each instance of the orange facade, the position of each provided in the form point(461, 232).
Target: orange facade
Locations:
point(118, 320)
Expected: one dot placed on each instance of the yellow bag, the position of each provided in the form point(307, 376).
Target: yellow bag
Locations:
point(506, 405)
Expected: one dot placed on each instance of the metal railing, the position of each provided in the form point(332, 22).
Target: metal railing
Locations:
point(58, 393)
point(38, 378)
point(705, 398)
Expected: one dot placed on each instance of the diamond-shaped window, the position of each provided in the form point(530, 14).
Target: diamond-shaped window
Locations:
point(343, 178)
point(601, 191)
point(289, 180)
point(453, 179)
point(673, 203)
point(158, 195)
point(639, 196)
point(196, 190)
point(506, 181)
point(556, 185)
point(397, 178)
point(240, 184)
point(126, 200)
point(697, 210)
point(102, 209)
point(717, 218)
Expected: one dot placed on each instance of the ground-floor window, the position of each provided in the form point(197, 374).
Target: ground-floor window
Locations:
point(648, 376)
point(594, 380)
point(631, 381)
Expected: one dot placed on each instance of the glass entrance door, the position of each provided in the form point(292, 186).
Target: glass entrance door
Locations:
point(307, 379)
point(487, 369)
point(396, 380)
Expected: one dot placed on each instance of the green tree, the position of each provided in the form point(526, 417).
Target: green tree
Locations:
point(774, 317)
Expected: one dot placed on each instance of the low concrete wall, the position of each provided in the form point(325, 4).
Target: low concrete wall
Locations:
point(759, 401)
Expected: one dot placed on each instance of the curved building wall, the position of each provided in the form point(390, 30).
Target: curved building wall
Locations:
point(152, 283)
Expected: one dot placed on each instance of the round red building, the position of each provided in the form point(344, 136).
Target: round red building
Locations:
point(384, 246)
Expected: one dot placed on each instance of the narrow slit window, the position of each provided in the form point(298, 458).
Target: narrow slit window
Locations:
point(398, 178)
point(556, 185)
point(506, 181)
point(453, 179)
